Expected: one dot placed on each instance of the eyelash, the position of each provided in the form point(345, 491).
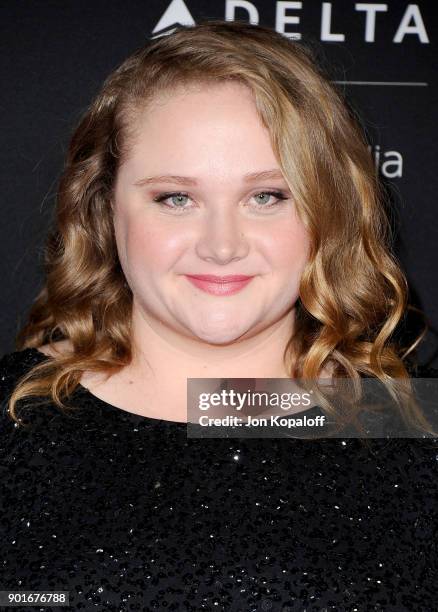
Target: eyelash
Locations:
point(280, 195)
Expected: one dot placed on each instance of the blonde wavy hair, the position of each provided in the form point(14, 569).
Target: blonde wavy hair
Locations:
point(353, 293)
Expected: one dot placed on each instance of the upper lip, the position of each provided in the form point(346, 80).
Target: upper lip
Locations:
point(231, 278)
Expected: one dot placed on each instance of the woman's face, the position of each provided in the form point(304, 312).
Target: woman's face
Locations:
point(223, 224)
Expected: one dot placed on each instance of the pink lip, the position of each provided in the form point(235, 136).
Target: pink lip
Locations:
point(219, 285)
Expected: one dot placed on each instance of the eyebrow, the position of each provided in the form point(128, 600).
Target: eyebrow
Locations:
point(187, 180)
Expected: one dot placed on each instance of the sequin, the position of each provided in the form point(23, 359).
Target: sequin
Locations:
point(126, 513)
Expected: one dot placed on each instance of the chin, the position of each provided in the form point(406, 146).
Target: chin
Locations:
point(219, 327)
point(219, 337)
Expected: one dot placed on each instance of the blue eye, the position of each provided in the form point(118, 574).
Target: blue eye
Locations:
point(166, 196)
point(279, 195)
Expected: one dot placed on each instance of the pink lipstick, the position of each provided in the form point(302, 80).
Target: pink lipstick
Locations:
point(219, 285)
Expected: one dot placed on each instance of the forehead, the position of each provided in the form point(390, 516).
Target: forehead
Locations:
point(190, 105)
point(212, 125)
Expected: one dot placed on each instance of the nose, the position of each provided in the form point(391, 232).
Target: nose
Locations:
point(222, 238)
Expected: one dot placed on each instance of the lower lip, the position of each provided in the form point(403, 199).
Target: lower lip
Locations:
point(219, 288)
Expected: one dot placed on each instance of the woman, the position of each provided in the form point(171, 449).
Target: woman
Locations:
point(220, 150)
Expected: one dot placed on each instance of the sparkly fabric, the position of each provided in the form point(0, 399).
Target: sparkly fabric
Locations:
point(126, 513)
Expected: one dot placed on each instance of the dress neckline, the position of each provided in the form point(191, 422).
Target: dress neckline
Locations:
point(128, 414)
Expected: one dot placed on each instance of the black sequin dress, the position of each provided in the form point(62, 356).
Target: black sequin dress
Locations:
point(127, 513)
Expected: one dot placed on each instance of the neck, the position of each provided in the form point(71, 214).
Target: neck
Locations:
point(164, 359)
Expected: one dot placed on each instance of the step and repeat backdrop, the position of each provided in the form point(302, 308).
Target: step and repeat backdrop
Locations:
point(55, 56)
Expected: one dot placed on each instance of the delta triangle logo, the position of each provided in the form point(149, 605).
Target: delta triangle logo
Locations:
point(176, 14)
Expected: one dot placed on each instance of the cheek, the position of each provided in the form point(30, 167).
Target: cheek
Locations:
point(146, 248)
point(289, 247)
